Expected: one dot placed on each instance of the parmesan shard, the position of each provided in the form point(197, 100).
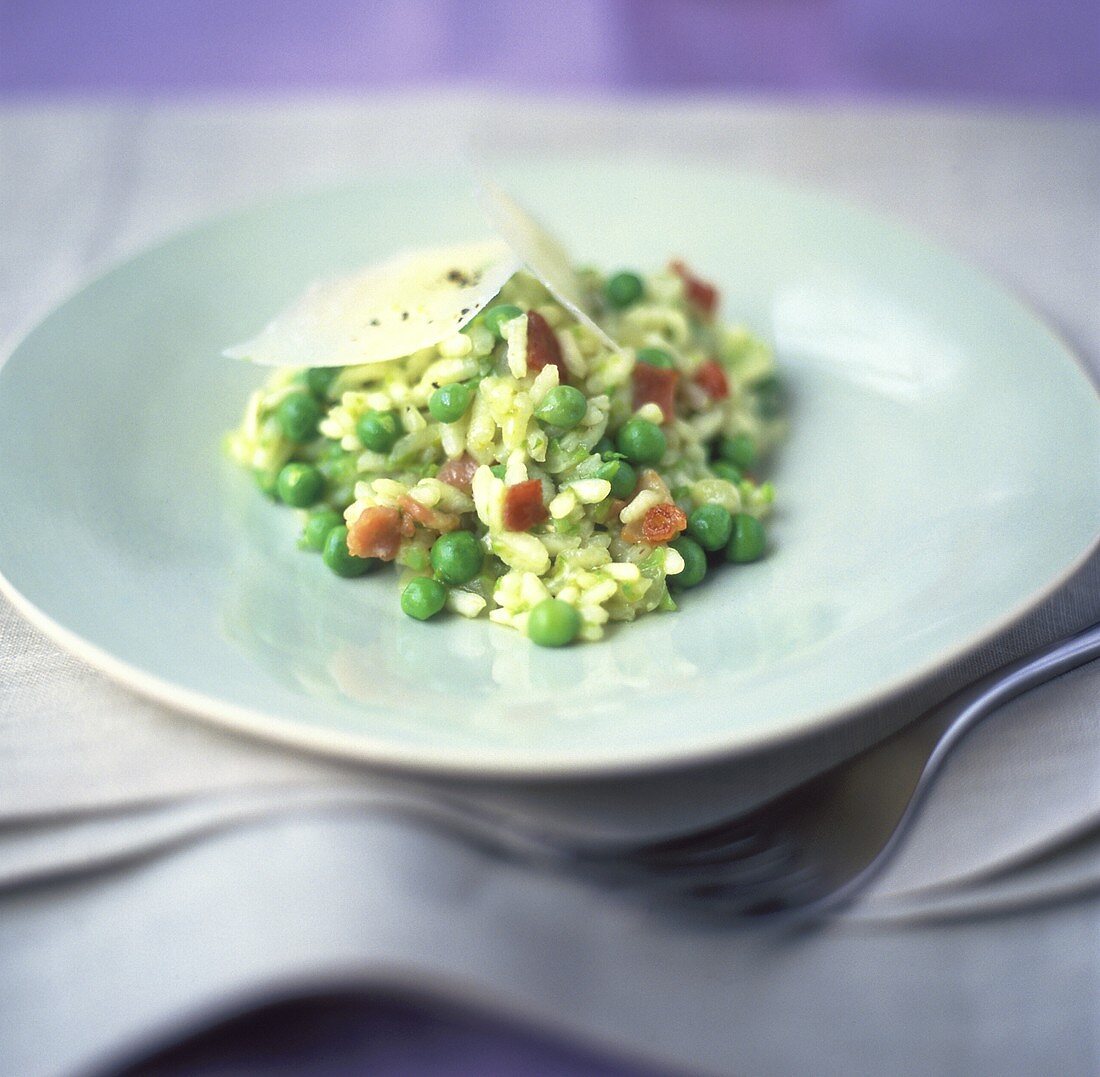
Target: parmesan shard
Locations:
point(418, 299)
point(539, 251)
point(385, 311)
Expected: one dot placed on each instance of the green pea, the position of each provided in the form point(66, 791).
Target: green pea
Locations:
point(423, 597)
point(320, 379)
point(379, 430)
point(299, 485)
point(318, 525)
point(710, 526)
point(641, 441)
point(739, 451)
point(748, 540)
point(563, 407)
point(499, 470)
point(695, 563)
point(338, 558)
point(495, 317)
point(623, 289)
point(621, 475)
point(553, 623)
point(723, 469)
point(298, 415)
point(457, 557)
point(656, 357)
point(604, 446)
point(449, 402)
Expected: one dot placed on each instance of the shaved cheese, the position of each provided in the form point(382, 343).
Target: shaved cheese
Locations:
point(543, 255)
point(418, 299)
point(387, 311)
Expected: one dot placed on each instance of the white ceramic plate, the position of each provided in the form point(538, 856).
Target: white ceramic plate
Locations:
point(942, 474)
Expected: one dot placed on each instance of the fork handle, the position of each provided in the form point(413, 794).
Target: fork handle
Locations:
point(954, 718)
point(919, 750)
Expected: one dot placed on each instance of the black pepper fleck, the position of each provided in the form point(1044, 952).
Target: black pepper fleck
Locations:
point(404, 315)
point(375, 321)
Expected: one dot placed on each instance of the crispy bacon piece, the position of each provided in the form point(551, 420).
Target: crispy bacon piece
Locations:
point(543, 346)
point(377, 533)
point(699, 293)
point(458, 472)
point(523, 507)
point(711, 378)
point(432, 519)
point(663, 523)
point(655, 385)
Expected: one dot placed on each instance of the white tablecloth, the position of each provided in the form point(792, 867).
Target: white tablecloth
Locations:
point(313, 885)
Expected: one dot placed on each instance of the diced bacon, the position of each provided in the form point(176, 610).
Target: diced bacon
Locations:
point(458, 472)
point(656, 385)
point(543, 346)
point(432, 519)
point(662, 523)
point(711, 378)
point(699, 293)
point(523, 507)
point(376, 533)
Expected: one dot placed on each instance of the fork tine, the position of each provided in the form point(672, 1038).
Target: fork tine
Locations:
point(699, 854)
point(798, 888)
point(725, 842)
point(769, 864)
point(757, 869)
point(719, 835)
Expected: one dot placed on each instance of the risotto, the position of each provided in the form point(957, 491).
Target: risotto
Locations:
point(552, 471)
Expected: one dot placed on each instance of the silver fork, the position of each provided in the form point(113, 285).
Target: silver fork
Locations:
point(810, 850)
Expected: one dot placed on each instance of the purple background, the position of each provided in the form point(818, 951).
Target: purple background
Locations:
point(1041, 52)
